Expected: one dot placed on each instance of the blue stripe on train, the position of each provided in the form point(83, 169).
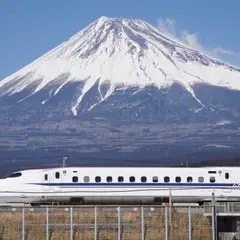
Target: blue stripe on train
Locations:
point(138, 184)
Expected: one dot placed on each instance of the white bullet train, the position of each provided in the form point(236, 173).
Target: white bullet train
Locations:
point(120, 185)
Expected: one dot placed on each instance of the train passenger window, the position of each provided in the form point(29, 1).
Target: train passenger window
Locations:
point(57, 175)
point(212, 179)
point(75, 179)
point(155, 179)
point(227, 175)
point(178, 179)
point(109, 179)
point(143, 179)
point(120, 179)
point(132, 179)
point(189, 179)
point(166, 179)
point(86, 179)
point(45, 177)
point(200, 179)
point(97, 179)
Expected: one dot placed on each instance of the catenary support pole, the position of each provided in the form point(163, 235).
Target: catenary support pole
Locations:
point(170, 206)
point(23, 223)
point(189, 224)
point(142, 214)
point(166, 223)
point(214, 218)
point(95, 223)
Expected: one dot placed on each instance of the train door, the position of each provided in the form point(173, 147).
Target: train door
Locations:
point(226, 175)
point(57, 180)
point(47, 181)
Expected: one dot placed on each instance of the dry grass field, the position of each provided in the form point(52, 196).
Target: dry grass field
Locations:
point(107, 219)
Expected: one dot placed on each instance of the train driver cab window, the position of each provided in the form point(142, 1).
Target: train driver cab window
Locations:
point(75, 179)
point(97, 179)
point(212, 179)
point(14, 175)
point(155, 179)
point(166, 179)
point(132, 179)
point(120, 179)
point(178, 179)
point(57, 175)
point(189, 179)
point(109, 179)
point(143, 179)
point(45, 177)
point(86, 179)
point(200, 179)
point(226, 175)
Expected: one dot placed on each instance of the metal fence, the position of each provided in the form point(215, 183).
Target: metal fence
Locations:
point(107, 222)
point(225, 208)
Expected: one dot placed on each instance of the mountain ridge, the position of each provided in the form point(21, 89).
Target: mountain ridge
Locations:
point(119, 67)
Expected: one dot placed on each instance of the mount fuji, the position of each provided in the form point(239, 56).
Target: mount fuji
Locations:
point(122, 71)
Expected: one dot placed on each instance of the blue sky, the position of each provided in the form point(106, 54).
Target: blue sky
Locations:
point(31, 28)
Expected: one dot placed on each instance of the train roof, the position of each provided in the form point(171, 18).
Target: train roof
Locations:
point(126, 167)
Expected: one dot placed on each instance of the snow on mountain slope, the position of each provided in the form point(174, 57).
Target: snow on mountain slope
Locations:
point(124, 52)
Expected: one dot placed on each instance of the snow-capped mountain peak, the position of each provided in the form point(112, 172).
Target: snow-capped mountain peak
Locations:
point(121, 53)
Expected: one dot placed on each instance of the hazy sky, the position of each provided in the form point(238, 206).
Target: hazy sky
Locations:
point(31, 28)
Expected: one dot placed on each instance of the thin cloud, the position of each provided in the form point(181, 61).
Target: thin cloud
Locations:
point(168, 27)
point(220, 50)
point(192, 40)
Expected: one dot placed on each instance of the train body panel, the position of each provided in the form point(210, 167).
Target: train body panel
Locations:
point(121, 185)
